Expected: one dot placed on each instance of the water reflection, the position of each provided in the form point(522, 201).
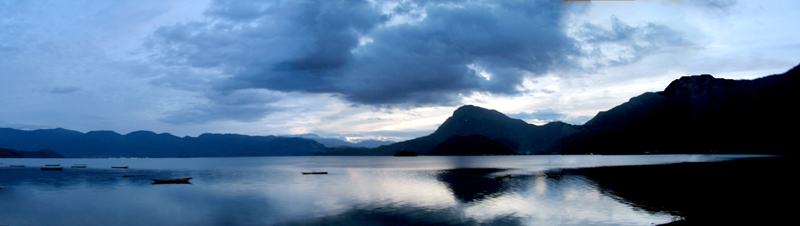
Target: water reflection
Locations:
point(363, 191)
point(755, 191)
point(470, 185)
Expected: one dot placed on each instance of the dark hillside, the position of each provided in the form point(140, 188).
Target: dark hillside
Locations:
point(697, 114)
point(46, 153)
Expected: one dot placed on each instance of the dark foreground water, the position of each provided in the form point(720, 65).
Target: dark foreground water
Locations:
point(480, 190)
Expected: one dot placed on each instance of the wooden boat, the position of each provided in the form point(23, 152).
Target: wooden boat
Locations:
point(17, 165)
point(52, 165)
point(119, 167)
point(53, 168)
point(172, 181)
point(139, 175)
point(315, 172)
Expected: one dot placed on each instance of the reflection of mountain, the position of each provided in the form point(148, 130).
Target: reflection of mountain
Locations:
point(469, 185)
point(149, 144)
point(756, 191)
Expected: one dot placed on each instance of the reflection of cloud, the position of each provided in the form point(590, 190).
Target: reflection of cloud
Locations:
point(392, 186)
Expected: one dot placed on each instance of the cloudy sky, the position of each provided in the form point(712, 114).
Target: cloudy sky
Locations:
point(364, 69)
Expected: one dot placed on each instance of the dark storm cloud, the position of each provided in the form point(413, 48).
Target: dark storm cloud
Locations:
point(314, 46)
point(407, 54)
point(429, 62)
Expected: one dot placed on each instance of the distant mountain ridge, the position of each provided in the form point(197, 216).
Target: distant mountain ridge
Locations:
point(149, 144)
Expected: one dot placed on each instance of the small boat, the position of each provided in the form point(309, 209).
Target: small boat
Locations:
point(79, 166)
point(172, 181)
point(53, 168)
point(139, 175)
point(52, 165)
point(315, 172)
point(119, 167)
point(17, 165)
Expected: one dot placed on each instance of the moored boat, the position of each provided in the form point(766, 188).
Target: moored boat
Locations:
point(172, 181)
point(17, 165)
point(315, 172)
point(119, 167)
point(79, 166)
point(52, 164)
point(52, 168)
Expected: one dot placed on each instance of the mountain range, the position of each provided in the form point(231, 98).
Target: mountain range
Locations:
point(515, 134)
point(96, 144)
point(697, 114)
point(693, 114)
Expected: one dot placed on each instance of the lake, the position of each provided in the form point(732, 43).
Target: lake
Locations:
point(441, 190)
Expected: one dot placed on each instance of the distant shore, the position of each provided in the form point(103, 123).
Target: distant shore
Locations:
point(752, 191)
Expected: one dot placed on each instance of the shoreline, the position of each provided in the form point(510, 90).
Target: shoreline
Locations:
point(740, 191)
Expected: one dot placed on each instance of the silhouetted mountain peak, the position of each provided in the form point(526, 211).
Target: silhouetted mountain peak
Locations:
point(514, 134)
point(469, 120)
point(479, 113)
point(704, 84)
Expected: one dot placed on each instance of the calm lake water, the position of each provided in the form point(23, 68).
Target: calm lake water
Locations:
point(479, 190)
